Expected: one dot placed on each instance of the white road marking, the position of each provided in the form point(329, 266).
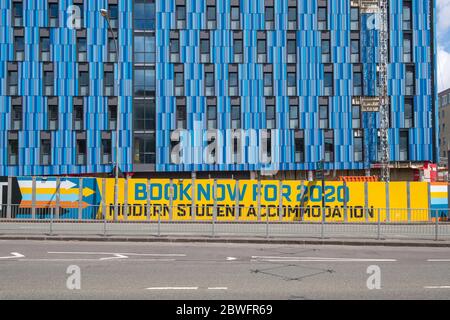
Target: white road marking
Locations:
point(231, 258)
point(218, 288)
point(172, 288)
point(95, 260)
point(116, 256)
point(121, 253)
point(15, 255)
point(438, 260)
point(316, 259)
point(437, 287)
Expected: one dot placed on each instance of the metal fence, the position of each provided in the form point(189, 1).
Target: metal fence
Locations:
point(152, 221)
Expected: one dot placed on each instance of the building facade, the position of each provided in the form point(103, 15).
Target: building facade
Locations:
point(444, 124)
point(292, 77)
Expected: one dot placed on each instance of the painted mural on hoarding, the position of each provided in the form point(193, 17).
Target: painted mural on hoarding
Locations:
point(180, 200)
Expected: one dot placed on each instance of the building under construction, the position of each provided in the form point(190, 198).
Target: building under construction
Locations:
point(346, 85)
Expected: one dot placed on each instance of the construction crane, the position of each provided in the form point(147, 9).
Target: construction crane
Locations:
point(379, 11)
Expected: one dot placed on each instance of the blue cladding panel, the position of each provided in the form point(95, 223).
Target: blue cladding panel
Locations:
point(64, 57)
point(310, 76)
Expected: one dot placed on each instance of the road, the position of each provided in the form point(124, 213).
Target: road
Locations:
point(38, 270)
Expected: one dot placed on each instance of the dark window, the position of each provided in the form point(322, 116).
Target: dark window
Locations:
point(212, 117)
point(112, 116)
point(409, 112)
point(407, 47)
point(292, 14)
point(144, 82)
point(407, 15)
point(82, 49)
point(211, 13)
point(323, 117)
point(144, 15)
point(270, 116)
point(356, 117)
point(81, 152)
point(204, 46)
point(53, 15)
point(262, 49)
point(13, 83)
point(106, 151)
point(16, 117)
point(235, 117)
point(326, 51)
point(328, 83)
point(357, 84)
point(404, 145)
point(181, 117)
point(144, 148)
point(329, 146)
point(84, 83)
point(17, 13)
point(46, 152)
point(358, 146)
point(45, 49)
point(299, 146)
point(114, 15)
point(293, 116)
point(355, 51)
point(108, 83)
point(144, 48)
point(238, 46)
point(144, 113)
point(53, 115)
point(322, 19)
point(19, 46)
point(410, 82)
point(49, 79)
point(13, 152)
point(354, 18)
point(78, 117)
point(181, 13)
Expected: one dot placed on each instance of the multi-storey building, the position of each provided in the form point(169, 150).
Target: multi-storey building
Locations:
point(304, 70)
point(444, 124)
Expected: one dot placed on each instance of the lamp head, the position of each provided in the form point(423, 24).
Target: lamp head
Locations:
point(104, 13)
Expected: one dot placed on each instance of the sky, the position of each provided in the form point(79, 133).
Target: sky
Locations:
point(443, 39)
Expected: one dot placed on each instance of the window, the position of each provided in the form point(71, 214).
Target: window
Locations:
point(13, 152)
point(144, 148)
point(106, 151)
point(270, 115)
point(354, 51)
point(212, 117)
point(81, 152)
point(17, 13)
point(293, 116)
point(211, 16)
point(407, 47)
point(112, 115)
point(404, 145)
point(53, 115)
point(292, 83)
point(112, 53)
point(407, 15)
point(292, 17)
point(322, 20)
point(209, 84)
point(181, 16)
point(113, 15)
point(329, 145)
point(84, 83)
point(299, 137)
point(144, 14)
point(268, 83)
point(262, 49)
point(326, 51)
point(16, 117)
point(108, 83)
point(46, 152)
point(233, 83)
point(358, 146)
point(144, 114)
point(49, 79)
point(356, 117)
point(78, 117)
point(144, 82)
point(410, 76)
point(238, 48)
point(323, 116)
point(82, 49)
point(19, 48)
point(269, 17)
point(328, 83)
point(204, 46)
point(354, 19)
point(53, 15)
point(236, 116)
point(13, 83)
point(45, 49)
point(144, 49)
point(292, 47)
point(409, 112)
point(181, 116)
point(174, 46)
point(357, 84)
point(235, 17)
point(179, 83)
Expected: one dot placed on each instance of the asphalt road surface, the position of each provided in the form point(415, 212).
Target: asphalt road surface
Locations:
point(39, 270)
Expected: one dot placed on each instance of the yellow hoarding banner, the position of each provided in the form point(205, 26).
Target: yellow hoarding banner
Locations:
point(180, 200)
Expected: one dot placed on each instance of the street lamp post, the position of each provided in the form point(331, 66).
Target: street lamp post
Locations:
point(105, 14)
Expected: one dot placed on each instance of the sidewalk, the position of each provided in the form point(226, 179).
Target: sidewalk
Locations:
point(254, 240)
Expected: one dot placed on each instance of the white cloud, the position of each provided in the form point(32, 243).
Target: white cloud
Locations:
point(443, 64)
point(443, 12)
